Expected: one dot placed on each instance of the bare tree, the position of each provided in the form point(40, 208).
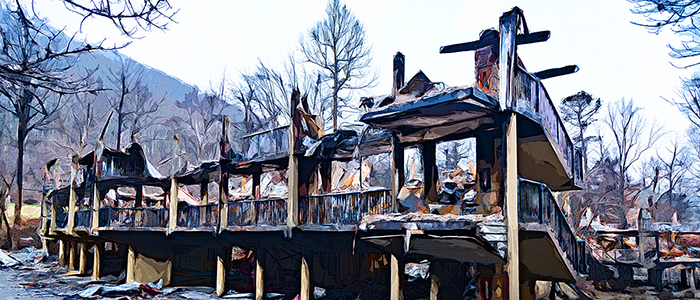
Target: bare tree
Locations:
point(135, 106)
point(36, 72)
point(689, 102)
point(633, 135)
point(263, 95)
point(675, 165)
point(678, 15)
point(201, 122)
point(579, 111)
point(127, 15)
point(337, 46)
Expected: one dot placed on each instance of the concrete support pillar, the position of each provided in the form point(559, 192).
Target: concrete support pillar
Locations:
point(397, 278)
point(62, 253)
point(307, 290)
point(73, 257)
point(130, 264)
point(83, 258)
point(97, 260)
point(222, 258)
point(259, 274)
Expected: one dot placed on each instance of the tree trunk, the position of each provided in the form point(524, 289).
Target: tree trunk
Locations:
point(21, 135)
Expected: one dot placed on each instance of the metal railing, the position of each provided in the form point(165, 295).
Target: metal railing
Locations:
point(536, 204)
point(532, 100)
point(83, 218)
point(198, 216)
point(257, 212)
point(133, 217)
point(343, 208)
point(266, 143)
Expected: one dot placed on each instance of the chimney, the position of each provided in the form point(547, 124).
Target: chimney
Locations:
point(399, 71)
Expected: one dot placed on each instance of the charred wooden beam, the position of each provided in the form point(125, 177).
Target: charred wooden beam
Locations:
point(521, 39)
point(549, 73)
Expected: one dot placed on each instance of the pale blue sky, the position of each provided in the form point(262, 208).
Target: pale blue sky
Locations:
point(616, 59)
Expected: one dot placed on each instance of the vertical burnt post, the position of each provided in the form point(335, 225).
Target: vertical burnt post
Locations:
point(71, 196)
point(172, 210)
point(293, 169)
point(56, 185)
point(430, 176)
point(508, 30)
point(397, 173)
point(399, 72)
point(223, 173)
point(96, 199)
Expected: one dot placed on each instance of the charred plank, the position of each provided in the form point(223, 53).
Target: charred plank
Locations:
point(522, 39)
point(549, 73)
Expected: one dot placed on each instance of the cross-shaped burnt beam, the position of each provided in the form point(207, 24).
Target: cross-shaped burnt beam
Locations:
point(521, 39)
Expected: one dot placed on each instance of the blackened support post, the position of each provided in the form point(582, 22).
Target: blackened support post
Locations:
point(508, 56)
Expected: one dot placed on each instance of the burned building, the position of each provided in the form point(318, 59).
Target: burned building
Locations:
point(297, 211)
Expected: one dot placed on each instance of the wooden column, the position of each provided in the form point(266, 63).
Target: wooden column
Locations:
point(61, 253)
point(73, 257)
point(307, 289)
point(507, 58)
point(97, 260)
point(130, 264)
point(56, 184)
point(691, 278)
point(397, 278)
point(259, 274)
point(203, 200)
point(397, 173)
point(172, 210)
point(71, 198)
point(83, 258)
point(96, 205)
point(222, 258)
point(293, 168)
point(430, 175)
point(511, 203)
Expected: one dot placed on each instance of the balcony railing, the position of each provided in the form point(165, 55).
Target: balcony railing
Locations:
point(271, 212)
point(198, 216)
point(536, 204)
point(344, 208)
point(272, 142)
point(533, 101)
point(133, 217)
point(83, 218)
